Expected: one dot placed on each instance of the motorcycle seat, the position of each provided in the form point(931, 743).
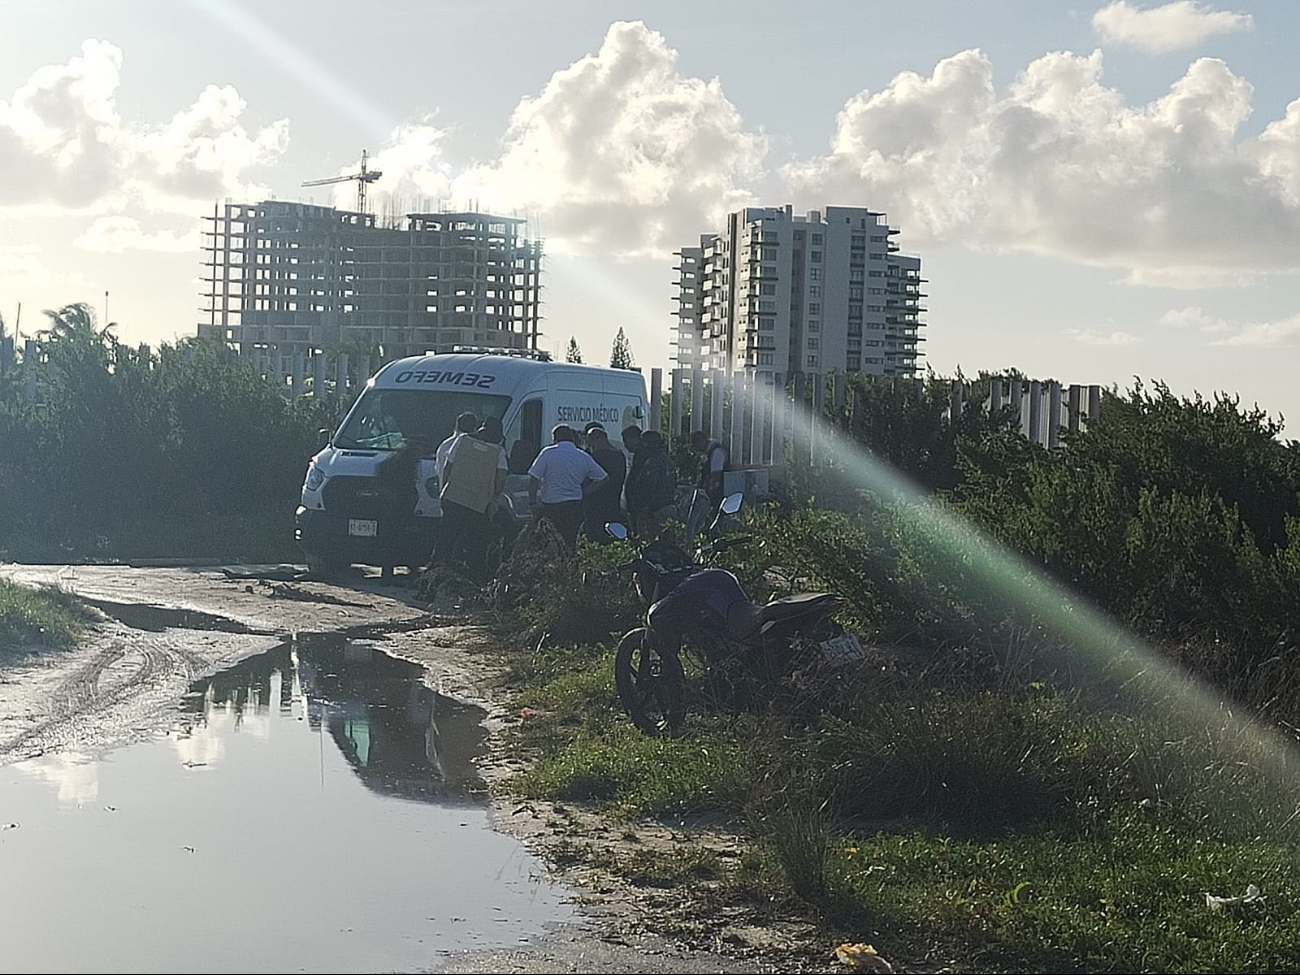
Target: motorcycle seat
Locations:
point(746, 620)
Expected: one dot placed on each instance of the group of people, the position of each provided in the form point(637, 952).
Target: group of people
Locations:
point(578, 483)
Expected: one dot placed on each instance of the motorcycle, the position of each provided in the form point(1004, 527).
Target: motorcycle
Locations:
point(740, 649)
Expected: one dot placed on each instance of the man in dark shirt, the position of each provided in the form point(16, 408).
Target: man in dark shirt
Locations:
point(604, 504)
point(651, 486)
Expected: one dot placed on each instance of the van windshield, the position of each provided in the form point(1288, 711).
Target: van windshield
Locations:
point(386, 419)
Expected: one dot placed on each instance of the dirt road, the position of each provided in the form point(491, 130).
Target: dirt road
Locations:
point(165, 627)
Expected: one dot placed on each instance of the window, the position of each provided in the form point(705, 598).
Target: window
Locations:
point(769, 253)
point(814, 325)
point(855, 293)
point(814, 291)
point(769, 287)
point(765, 358)
point(816, 240)
point(875, 291)
point(855, 328)
point(875, 274)
point(812, 362)
point(770, 237)
point(813, 342)
point(855, 274)
point(814, 274)
point(814, 308)
point(815, 256)
point(858, 240)
point(855, 310)
point(766, 324)
point(877, 239)
point(767, 306)
point(875, 308)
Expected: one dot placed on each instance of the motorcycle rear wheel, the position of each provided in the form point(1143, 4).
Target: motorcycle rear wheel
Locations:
point(650, 685)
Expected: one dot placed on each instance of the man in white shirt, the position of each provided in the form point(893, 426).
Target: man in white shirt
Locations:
point(559, 479)
point(465, 423)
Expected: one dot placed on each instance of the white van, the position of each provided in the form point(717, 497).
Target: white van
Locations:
point(352, 511)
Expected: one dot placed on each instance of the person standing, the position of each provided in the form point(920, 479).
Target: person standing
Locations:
point(465, 423)
point(713, 464)
point(631, 443)
point(561, 476)
point(605, 503)
point(472, 480)
point(651, 485)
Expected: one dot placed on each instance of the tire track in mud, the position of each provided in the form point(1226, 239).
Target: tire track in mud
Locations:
point(133, 674)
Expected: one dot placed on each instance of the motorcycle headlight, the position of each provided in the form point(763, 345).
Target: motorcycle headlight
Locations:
point(314, 478)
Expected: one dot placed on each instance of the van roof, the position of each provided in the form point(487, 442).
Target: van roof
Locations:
point(507, 368)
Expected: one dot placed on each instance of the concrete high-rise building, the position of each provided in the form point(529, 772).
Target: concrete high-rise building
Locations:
point(779, 293)
point(295, 277)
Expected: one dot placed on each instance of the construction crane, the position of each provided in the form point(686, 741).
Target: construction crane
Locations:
point(362, 178)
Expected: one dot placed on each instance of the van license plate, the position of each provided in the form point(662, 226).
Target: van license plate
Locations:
point(362, 526)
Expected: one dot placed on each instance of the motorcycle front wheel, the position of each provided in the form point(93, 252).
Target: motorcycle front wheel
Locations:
point(650, 685)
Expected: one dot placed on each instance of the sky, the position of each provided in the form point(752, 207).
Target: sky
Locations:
point(1099, 192)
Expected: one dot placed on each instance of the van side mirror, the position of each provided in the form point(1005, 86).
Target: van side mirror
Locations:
point(322, 439)
point(616, 530)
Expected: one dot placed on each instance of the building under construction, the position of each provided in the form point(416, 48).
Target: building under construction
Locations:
point(294, 277)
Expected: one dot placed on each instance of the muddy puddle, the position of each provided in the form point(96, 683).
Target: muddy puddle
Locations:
point(312, 809)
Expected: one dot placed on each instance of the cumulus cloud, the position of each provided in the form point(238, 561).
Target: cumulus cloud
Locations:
point(1060, 165)
point(117, 234)
point(1093, 337)
point(1169, 27)
point(619, 152)
point(21, 259)
point(1283, 332)
point(414, 173)
point(1193, 317)
point(63, 142)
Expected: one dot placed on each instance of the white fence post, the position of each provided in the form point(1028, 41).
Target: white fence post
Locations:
point(29, 369)
point(341, 374)
point(1035, 433)
point(1054, 415)
point(675, 404)
point(780, 411)
point(656, 398)
point(735, 441)
point(717, 402)
point(697, 399)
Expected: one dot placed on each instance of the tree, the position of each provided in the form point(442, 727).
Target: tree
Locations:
point(574, 354)
point(620, 356)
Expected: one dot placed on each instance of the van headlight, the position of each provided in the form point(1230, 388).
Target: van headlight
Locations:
point(314, 478)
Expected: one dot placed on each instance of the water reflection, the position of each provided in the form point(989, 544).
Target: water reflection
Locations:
point(284, 839)
point(401, 738)
point(74, 776)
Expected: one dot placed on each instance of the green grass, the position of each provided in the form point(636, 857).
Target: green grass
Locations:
point(47, 618)
point(999, 819)
point(1011, 829)
point(1128, 897)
